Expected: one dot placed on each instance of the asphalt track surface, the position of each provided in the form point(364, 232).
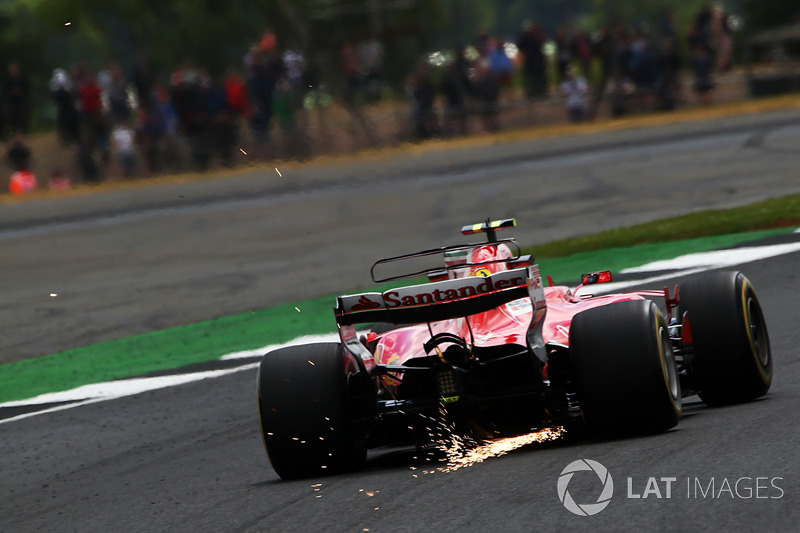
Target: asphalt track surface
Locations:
point(190, 458)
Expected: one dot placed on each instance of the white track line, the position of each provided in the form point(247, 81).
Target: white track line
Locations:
point(305, 339)
point(101, 392)
point(717, 258)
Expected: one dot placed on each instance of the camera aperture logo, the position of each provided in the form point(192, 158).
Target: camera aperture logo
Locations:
point(585, 509)
point(656, 488)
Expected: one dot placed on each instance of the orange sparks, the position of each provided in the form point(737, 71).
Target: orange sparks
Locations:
point(460, 456)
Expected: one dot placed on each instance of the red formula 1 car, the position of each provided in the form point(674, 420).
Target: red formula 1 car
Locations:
point(487, 345)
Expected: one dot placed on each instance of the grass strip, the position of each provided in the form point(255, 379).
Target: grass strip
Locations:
point(768, 214)
point(163, 350)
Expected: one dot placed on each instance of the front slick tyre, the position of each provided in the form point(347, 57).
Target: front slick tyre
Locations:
point(306, 412)
point(731, 355)
point(625, 369)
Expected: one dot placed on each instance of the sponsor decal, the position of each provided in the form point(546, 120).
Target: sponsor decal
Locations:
point(364, 304)
point(519, 307)
point(435, 293)
point(412, 296)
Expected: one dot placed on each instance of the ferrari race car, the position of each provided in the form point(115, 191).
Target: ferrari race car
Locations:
point(486, 349)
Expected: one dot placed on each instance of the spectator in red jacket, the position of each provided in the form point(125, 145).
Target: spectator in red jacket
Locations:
point(95, 131)
point(236, 92)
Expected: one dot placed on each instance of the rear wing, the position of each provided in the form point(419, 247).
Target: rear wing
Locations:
point(431, 302)
point(443, 300)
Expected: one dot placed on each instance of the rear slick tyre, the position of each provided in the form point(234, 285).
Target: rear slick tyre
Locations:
point(625, 369)
point(306, 411)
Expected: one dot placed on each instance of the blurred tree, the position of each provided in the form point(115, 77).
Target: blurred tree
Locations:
point(19, 36)
point(465, 18)
point(549, 13)
point(648, 12)
point(761, 15)
point(207, 32)
point(21, 43)
point(405, 28)
point(215, 34)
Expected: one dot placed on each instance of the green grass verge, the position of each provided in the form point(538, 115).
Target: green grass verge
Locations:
point(774, 213)
point(163, 350)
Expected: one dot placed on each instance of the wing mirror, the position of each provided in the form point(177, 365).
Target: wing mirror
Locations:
point(604, 276)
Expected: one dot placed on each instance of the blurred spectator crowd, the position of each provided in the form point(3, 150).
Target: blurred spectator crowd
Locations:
point(123, 125)
point(632, 68)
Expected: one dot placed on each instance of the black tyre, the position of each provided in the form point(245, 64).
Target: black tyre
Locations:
point(731, 360)
point(622, 357)
point(307, 411)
